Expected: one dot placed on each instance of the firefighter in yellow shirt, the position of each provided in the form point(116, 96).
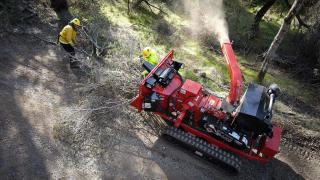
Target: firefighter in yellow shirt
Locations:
point(149, 55)
point(67, 38)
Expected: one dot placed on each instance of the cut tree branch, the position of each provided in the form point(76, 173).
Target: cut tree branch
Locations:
point(95, 47)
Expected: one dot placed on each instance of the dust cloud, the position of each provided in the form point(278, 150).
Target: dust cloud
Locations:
point(207, 15)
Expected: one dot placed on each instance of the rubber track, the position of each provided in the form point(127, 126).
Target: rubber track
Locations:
point(228, 161)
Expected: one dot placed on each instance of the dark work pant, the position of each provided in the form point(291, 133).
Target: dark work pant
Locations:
point(71, 53)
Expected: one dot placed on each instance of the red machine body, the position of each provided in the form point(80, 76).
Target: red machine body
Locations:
point(185, 104)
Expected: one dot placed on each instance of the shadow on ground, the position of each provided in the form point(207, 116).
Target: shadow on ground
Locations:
point(187, 165)
point(20, 156)
point(32, 81)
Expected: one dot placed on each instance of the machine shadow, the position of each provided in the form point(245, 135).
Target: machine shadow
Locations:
point(192, 166)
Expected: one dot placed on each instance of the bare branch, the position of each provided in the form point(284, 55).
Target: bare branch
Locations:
point(149, 5)
point(297, 16)
point(114, 105)
point(96, 49)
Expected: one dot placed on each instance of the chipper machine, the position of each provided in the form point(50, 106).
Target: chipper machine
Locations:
point(216, 128)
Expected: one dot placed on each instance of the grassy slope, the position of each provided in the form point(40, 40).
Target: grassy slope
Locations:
point(164, 32)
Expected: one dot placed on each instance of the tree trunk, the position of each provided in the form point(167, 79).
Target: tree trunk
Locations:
point(59, 5)
point(295, 8)
point(301, 22)
point(137, 4)
point(259, 16)
point(128, 6)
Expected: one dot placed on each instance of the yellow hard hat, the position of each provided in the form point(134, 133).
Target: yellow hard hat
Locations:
point(75, 21)
point(146, 52)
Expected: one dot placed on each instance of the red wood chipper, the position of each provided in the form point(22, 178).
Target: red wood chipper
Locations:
point(216, 128)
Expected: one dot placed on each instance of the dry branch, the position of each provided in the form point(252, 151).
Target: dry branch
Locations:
point(149, 5)
point(109, 106)
point(96, 49)
point(44, 40)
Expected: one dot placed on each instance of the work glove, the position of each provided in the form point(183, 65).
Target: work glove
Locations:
point(141, 59)
point(144, 73)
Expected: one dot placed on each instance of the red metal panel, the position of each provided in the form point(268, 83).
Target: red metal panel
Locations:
point(175, 83)
point(137, 103)
point(179, 119)
point(192, 88)
point(271, 146)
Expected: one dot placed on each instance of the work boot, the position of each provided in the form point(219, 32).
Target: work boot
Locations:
point(74, 64)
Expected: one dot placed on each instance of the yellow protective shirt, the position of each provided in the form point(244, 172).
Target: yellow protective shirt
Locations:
point(67, 35)
point(153, 58)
